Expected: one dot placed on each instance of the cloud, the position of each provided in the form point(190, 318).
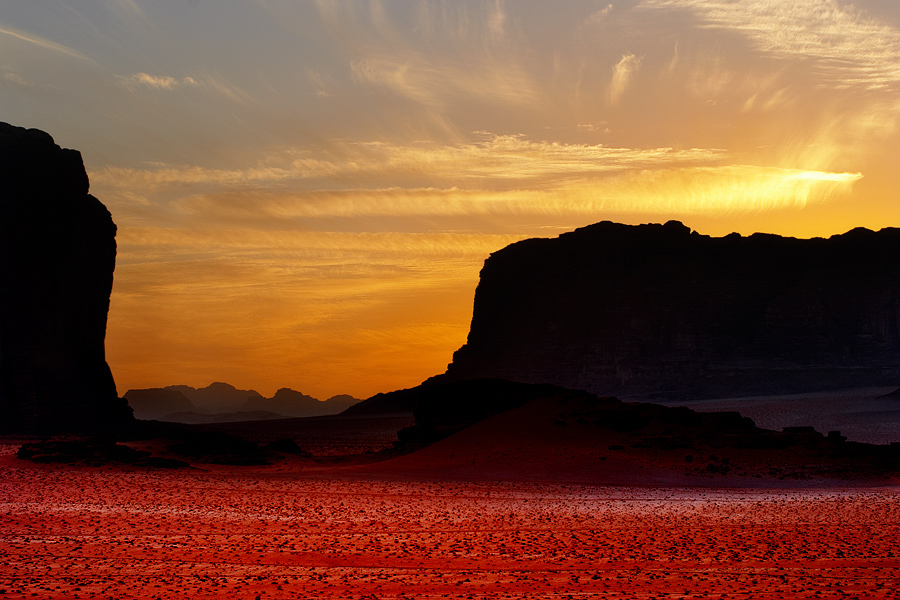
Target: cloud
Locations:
point(130, 8)
point(497, 161)
point(600, 15)
point(435, 83)
point(710, 190)
point(687, 191)
point(847, 47)
point(15, 78)
point(500, 175)
point(43, 43)
point(156, 82)
point(154, 242)
point(622, 74)
point(497, 20)
point(679, 191)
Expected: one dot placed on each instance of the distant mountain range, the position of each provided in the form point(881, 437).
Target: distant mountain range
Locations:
point(220, 402)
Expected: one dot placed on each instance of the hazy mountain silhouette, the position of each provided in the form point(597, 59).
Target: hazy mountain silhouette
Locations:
point(216, 397)
point(289, 403)
point(657, 310)
point(57, 256)
point(221, 402)
point(157, 403)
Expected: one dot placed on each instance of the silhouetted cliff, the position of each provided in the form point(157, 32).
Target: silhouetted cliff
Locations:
point(658, 310)
point(57, 255)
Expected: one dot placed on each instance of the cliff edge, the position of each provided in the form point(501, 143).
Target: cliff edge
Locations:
point(659, 311)
point(57, 255)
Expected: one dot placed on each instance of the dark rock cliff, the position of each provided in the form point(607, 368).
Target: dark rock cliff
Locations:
point(57, 255)
point(660, 311)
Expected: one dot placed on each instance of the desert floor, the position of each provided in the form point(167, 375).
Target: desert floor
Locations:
point(258, 532)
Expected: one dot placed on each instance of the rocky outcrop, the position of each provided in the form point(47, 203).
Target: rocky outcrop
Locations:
point(496, 430)
point(660, 311)
point(444, 409)
point(57, 255)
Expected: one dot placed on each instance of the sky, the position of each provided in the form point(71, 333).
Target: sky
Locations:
point(305, 191)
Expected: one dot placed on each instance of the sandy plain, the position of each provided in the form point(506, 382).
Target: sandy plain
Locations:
point(295, 530)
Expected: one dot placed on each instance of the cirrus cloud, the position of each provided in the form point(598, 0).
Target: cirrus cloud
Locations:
point(156, 82)
point(849, 48)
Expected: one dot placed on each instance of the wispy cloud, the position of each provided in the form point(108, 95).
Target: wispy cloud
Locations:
point(157, 82)
point(14, 78)
point(131, 8)
point(503, 175)
point(621, 77)
point(434, 84)
point(849, 47)
point(496, 158)
point(710, 190)
point(600, 15)
point(42, 43)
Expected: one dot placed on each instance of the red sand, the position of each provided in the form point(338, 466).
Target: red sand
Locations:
point(270, 533)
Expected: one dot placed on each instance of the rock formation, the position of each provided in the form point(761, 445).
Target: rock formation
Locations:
point(57, 255)
point(496, 430)
point(660, 311)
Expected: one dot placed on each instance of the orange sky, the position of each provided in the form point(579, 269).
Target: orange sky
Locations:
point(305, 192)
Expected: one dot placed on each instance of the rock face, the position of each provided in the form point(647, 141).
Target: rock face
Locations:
point(660, 311)
point(57, 255)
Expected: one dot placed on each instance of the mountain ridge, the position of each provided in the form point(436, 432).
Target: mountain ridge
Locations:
point(219, 400)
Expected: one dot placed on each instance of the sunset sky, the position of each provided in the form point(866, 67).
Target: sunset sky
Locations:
point(306, 190)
